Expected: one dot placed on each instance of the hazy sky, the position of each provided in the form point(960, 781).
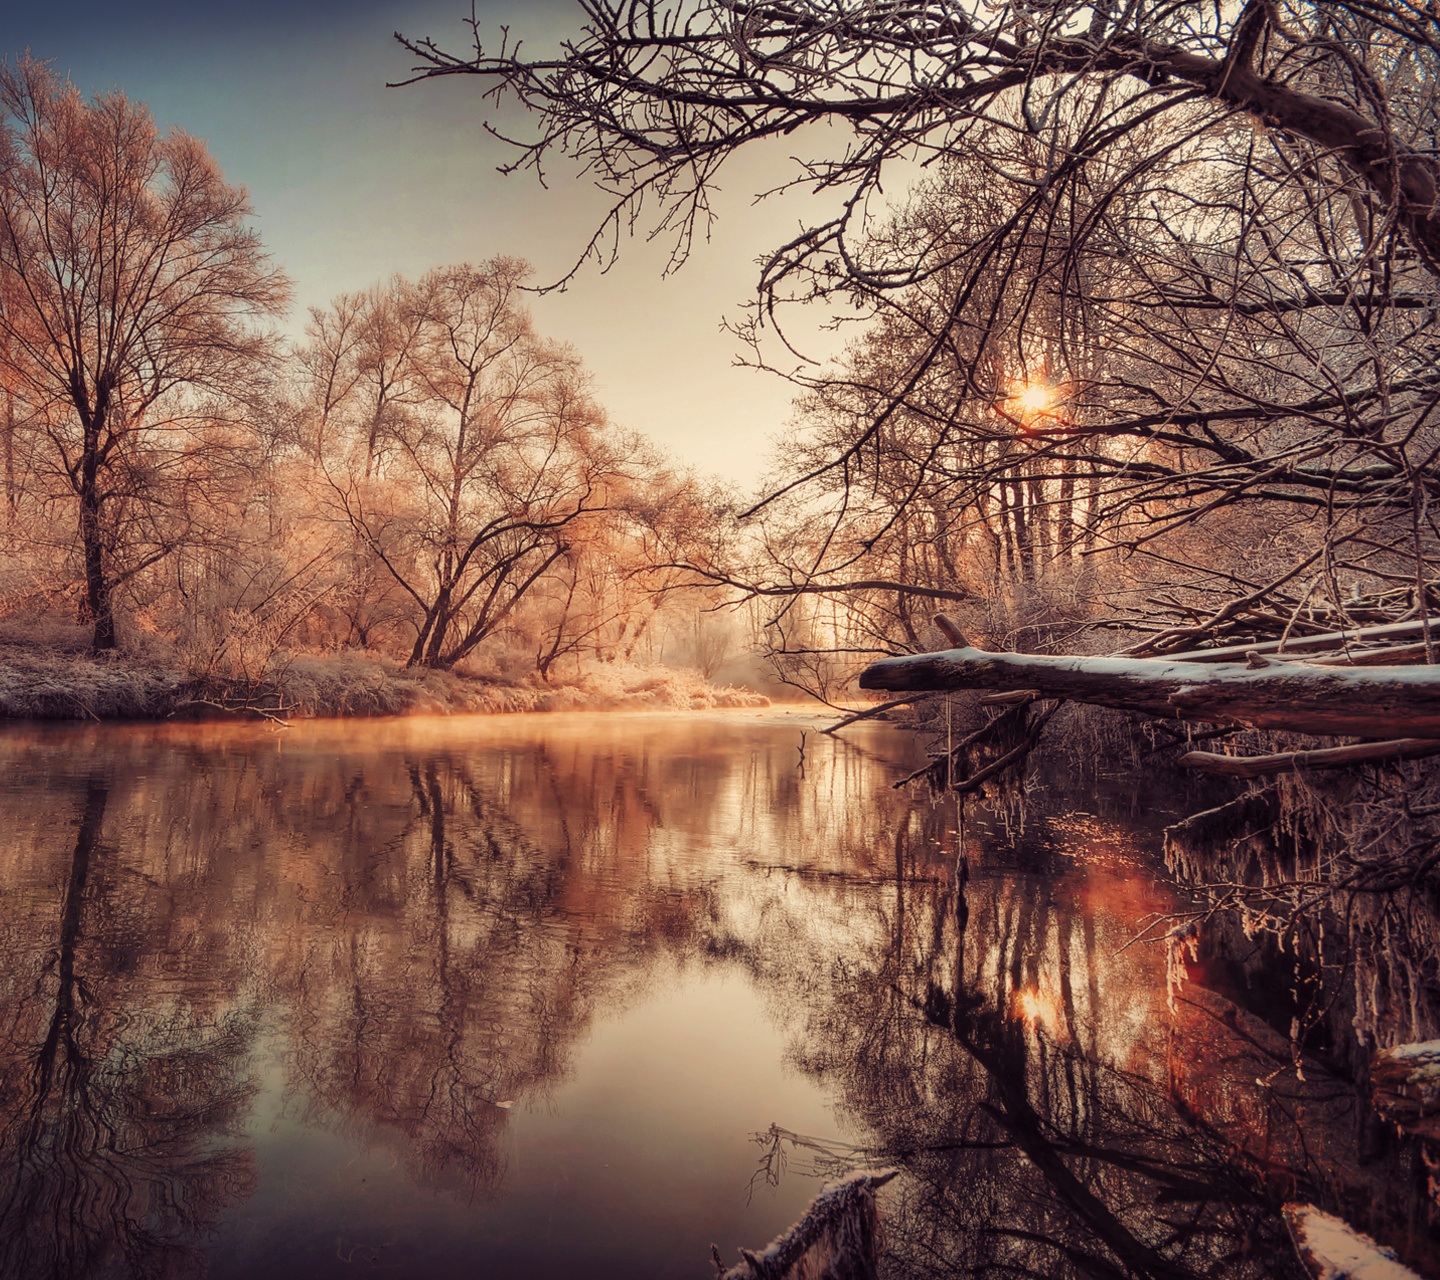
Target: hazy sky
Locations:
point(353, 182)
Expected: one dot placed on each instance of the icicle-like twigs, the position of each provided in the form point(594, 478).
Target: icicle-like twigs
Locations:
point(1182, 940)
point(1372, 702)
point(840, 1225)
point(1194, 845)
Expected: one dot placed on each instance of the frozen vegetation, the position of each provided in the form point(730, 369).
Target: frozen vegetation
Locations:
point(50, 685)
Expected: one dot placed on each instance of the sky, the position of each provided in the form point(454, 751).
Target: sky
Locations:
point(352, 182)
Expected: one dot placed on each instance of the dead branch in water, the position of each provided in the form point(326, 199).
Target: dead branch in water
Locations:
point(878, 709)
point(842, 1220)
point(950, 771)
point(1320, 758)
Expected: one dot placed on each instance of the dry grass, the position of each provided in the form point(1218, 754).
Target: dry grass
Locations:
point(49, 684)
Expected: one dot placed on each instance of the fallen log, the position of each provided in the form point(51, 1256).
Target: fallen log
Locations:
point(1406, 1080)
point(1365, 702)
point(1238, 819)
point(1320, 758)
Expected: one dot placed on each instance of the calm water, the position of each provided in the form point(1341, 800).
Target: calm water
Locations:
point(514, 997)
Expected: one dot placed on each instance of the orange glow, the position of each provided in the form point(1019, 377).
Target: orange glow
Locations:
point(1040, 1007)
point(1034, 399)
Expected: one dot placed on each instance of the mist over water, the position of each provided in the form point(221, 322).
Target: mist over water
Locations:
point(515, 996)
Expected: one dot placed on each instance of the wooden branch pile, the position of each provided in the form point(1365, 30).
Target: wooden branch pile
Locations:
point(1383, 644)
point(1272, 616)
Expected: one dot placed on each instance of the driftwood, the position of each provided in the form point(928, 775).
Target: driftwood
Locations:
point(1321, 758)
point(840, 1224)
point(1333, 1250)
point(1373, 702)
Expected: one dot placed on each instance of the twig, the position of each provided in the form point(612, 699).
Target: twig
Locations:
point(875, 711)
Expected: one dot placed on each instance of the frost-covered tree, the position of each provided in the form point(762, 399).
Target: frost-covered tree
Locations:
point(133, 298)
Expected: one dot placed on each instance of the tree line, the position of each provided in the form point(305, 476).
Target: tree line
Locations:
point(1144, 357)
point(422, 474)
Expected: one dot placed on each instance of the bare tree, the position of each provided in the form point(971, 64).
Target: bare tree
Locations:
point(617, 585)
point(473, 455)
point(131, 290)
point(1207, 235)
point(654, 97)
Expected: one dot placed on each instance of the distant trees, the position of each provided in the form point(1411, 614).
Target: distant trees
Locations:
point(132, 294)
point(466, 456)
point(424, 475)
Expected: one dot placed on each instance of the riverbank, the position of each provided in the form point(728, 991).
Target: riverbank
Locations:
point(46, 684)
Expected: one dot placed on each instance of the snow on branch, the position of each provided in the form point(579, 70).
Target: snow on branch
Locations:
point(1373, 702)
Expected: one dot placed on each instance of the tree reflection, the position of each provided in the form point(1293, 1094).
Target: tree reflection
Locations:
point(497, 919)
point(1018, 1061)
point(430, 927)
point(112, 1115)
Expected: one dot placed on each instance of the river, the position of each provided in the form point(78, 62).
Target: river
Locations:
point(580, 995)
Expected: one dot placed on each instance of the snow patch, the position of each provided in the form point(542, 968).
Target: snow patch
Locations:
point(1331, 1250)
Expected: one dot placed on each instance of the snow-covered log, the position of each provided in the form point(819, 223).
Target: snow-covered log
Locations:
point(1406, 1080)
point(840, 1226)
point(1331, 1250)
point(1371, 702)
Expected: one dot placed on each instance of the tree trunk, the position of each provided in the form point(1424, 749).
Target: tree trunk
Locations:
point(434, 618)
point(1388, 702)
point(12, 499)
point(92, 541)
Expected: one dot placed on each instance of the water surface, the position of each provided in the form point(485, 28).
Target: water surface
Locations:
point(515, 996)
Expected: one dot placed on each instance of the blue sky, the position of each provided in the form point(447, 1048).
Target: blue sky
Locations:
point(352, 182)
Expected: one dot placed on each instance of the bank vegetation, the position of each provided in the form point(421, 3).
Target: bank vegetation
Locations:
point(419, 506)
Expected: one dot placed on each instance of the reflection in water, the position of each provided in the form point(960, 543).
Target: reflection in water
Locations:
point(113, 1118)
point(246, 972)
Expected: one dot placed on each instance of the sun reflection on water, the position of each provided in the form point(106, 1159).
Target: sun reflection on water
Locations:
point(1039, 1006)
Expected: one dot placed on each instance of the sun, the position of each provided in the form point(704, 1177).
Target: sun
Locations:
point(1034, 399)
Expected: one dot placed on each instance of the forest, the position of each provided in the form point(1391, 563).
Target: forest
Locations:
point(424, 479)
point(1135, 364)
point(1130, 451)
